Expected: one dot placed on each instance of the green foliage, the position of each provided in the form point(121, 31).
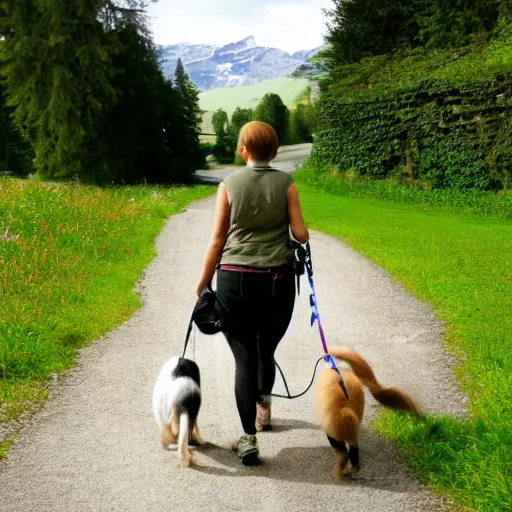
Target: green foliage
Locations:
point(363, 28)
point(240, 117)
point(437, 117)
point(207, 148)
point(189, 99)
point(69, 260)
point(150, 133)
point(57, 65)
point(360, 28)
point(302, 123)
point(224, 150)
point(219, 121)
point(273, 111)
point(85, 83)
point(457, 22)
point(15, 150)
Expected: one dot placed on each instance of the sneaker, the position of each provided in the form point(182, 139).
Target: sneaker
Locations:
point(263, 416)
point(247, 450)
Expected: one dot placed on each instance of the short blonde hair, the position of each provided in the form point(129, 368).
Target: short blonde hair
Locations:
point(260, 139)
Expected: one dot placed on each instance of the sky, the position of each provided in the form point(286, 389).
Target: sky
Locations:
point(290, 25)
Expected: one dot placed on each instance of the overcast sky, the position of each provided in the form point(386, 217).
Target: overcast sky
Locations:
point(286, 24)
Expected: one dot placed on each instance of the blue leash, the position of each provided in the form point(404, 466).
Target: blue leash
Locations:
point(304, 256)
point(315, 317)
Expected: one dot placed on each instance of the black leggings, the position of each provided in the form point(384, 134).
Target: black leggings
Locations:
point(257, 309)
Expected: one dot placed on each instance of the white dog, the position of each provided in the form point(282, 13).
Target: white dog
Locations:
point(176, 403)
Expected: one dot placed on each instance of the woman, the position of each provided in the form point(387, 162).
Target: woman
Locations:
point(256, 208)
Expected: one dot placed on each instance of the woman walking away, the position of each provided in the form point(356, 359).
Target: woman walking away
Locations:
point(256, 208)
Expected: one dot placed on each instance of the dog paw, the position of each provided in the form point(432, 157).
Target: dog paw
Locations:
point(185, 462)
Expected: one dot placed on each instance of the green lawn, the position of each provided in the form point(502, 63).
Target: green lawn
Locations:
point(70, 256)
point(462, 265)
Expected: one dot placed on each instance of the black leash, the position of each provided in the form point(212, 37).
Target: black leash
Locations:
point(305, 266)
point(289, 396)
point(189, 332)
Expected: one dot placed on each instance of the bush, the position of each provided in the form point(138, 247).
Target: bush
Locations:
point(431, 130)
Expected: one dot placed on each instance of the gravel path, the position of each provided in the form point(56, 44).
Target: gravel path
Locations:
point(95, 446)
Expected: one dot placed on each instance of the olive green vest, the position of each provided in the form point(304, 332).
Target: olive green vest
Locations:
point(258, 235)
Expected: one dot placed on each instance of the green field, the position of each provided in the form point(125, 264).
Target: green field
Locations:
point(248, 96)
point(70, 256)
point(461, 264)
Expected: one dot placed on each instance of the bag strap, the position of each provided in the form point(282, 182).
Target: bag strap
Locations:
point(189, 332)
point(191, 322)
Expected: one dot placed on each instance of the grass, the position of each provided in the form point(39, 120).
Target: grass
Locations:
point(462, 265)
point(70, 256)
point(496, 205)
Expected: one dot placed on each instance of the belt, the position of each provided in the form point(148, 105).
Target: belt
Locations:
point(282, 271)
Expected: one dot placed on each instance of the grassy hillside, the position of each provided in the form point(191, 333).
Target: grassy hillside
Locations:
point(69, 258)
point(248, 96)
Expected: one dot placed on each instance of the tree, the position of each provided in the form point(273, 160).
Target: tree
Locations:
point(219, 121)
point(15, 150)
point(239, 117)
point(273, 111)
point(454, 22)
point(302, 123)
point(190, 103)
point(364, 28)
point(224, 151)
point(361, 28)
point(116, 14)
point(56, 60)
point(145, 128)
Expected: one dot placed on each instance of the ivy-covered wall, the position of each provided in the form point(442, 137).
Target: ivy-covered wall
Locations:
point(429, 130)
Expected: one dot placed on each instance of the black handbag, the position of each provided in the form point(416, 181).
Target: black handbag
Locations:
point(206, 314)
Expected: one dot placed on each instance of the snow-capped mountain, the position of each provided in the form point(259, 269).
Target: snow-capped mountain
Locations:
point(240, 63)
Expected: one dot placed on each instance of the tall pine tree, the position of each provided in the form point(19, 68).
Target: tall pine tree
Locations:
point(56, 61)
point(15, 149)
point(189, 97)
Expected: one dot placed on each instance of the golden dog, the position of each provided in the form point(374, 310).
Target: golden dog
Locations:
point(340, 418)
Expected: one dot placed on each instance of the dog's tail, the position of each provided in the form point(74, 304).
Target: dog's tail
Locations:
point(390, 397)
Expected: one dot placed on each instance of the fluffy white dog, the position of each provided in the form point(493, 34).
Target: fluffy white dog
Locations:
point(176, 403)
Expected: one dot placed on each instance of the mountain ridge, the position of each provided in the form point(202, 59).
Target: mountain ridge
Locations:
point(238, 63)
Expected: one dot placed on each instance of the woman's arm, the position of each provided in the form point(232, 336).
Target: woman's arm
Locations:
point(217, 238)
point(297, 225)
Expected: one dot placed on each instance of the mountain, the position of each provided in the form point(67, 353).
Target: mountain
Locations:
point(240, 63)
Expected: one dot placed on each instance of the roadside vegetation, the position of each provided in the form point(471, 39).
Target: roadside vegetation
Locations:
point(294, 124)
point(462, 265)
point(411, 165)
point(83, 97)
point(70, 256)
